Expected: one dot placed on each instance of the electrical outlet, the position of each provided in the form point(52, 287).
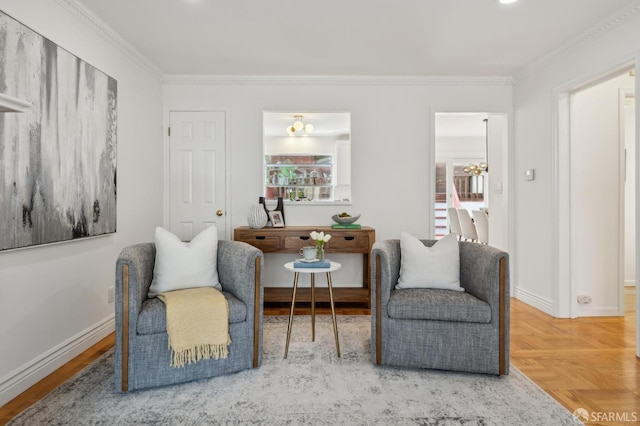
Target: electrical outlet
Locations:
point(111, 294)
point(583, 299)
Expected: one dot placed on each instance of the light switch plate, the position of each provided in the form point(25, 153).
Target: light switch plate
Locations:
point(529, 174)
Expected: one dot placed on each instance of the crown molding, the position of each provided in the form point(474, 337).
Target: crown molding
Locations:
point(94, 22)
point(337, 80)
point(612, 22)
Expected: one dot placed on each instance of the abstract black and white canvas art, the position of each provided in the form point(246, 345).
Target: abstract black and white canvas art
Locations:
point(58, 158)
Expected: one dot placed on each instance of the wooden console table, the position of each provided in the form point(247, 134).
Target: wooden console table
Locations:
point(291, 238)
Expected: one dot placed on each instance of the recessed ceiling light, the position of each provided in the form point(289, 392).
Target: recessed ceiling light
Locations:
point(507, 1)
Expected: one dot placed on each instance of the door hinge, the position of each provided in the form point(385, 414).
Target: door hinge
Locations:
point(168, 131)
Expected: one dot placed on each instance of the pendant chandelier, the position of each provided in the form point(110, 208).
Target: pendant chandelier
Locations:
point(475, 169)
point(298, 128)
point(478, 169)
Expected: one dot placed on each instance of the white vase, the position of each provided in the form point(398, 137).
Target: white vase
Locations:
point(257, 217)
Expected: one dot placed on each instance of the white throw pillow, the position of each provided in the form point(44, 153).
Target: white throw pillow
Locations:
point(181, 265)
point(437, 266)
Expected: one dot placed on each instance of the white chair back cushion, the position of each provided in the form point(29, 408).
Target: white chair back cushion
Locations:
point(482, 225)
point(454, 222)
point(468, 228)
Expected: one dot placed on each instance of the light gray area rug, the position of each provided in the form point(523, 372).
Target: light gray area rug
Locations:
point(311, 387)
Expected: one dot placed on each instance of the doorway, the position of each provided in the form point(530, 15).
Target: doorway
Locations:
point(598, 184)
point(197, 172)
point(463, 141)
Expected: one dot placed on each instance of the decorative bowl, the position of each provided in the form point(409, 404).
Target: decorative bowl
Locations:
point(348, 220)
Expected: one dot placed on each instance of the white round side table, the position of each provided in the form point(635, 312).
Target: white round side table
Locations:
point(333, 266)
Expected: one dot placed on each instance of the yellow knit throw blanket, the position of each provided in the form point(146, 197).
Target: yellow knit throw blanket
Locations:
point(197, 324)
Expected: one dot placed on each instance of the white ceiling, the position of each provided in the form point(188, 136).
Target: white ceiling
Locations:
point(349, 37)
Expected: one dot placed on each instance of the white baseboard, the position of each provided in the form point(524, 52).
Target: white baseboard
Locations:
point(629, 283)
point(598, 312)
point(540, 303)
point(21, 379)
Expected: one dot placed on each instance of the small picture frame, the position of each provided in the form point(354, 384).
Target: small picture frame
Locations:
point(276, 219)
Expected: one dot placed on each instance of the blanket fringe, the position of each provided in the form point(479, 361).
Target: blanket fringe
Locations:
point(199, 352)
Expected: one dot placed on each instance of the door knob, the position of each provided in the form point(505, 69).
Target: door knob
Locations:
point(219, 213)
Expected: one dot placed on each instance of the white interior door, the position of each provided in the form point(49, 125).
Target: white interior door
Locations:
point(197, 172)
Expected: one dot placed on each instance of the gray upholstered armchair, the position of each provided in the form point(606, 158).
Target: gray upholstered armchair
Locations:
point(442, 329)
point(142, 354)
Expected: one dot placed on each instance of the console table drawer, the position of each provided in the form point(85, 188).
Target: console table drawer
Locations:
point(293, 242)
point(266, 243)
point(349, 243)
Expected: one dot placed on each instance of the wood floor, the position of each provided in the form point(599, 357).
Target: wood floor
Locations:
point(585, 363)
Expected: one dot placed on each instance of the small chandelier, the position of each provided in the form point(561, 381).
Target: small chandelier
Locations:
point(476, 169)
point(298, 127)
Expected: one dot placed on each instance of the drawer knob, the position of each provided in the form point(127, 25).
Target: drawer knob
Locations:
point(304, 238)
point(260, 237)
point(349, 238)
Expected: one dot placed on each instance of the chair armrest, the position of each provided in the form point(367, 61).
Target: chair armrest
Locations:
point(480, 273)
point(139, 259)
point(134, 273)
point(385, 257)
point(240, 270)
point(237, 271)
point(484, 273)
point(385, 270)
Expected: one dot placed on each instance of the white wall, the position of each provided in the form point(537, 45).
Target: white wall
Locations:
point(539, 279)
point(448, 147)
point(53, 299)
point(498, 187)
point(318, 145)
point(596, 192)
point(390, 149)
